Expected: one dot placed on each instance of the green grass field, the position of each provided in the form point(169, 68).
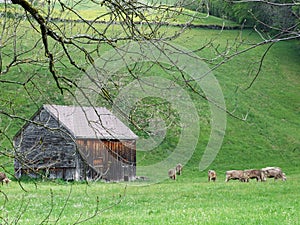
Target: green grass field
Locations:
point(188, 200)
point(269, 137)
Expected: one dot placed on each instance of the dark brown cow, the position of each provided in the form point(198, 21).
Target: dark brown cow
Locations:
point(212, 175)
point(274, 172)
point(259, 175)
point(4, 178)
point(179, 168)
point(235, 175)
point(172, 173)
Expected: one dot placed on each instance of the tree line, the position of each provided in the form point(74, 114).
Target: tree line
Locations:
point(274, 15)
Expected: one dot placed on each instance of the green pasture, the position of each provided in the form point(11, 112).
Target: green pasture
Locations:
point(268, 137)
point(90, 10)
point(188, 200)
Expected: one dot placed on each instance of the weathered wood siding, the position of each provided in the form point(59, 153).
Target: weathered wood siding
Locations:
point(112, 160)
point(45, 148)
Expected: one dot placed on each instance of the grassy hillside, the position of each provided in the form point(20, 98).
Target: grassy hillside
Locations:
point(90, 10)
point(268, 137)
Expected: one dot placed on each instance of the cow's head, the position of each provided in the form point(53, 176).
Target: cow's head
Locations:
point(6, 180)
point(283, 177)
point(264, 175)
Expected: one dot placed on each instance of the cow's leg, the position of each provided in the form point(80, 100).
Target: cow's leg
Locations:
point(244, 179)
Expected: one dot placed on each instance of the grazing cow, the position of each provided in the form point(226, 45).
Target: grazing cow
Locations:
point(212, 175)
point(259, 175)
point(235, 175)
point(172, 173)
point(274, 172)
point(179, 168)
point(4, 178)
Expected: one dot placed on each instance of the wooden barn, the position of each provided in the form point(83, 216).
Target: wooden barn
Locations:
point(75, 143)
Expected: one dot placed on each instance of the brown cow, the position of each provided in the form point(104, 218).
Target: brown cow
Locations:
point(172, 173)
point(212, 175)
point(259, 175)
point(179, 168)
point(235, 175)
point(4, 178)
point(274, 172)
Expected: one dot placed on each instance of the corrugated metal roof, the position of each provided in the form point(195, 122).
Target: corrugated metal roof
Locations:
point(90, 122)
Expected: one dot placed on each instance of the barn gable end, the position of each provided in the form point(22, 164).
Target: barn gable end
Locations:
point(75, 143)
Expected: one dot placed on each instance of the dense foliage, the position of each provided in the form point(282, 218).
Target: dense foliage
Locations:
point(275, 15)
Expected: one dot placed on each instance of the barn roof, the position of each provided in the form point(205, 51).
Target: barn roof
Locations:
point(90, 122)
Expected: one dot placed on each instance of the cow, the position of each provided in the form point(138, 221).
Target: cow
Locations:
point(172, 173)
point(212, 175)
point(274, 172)
point(179, 168)
point(4, 178)
point(259, 175)
point(235, 175)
